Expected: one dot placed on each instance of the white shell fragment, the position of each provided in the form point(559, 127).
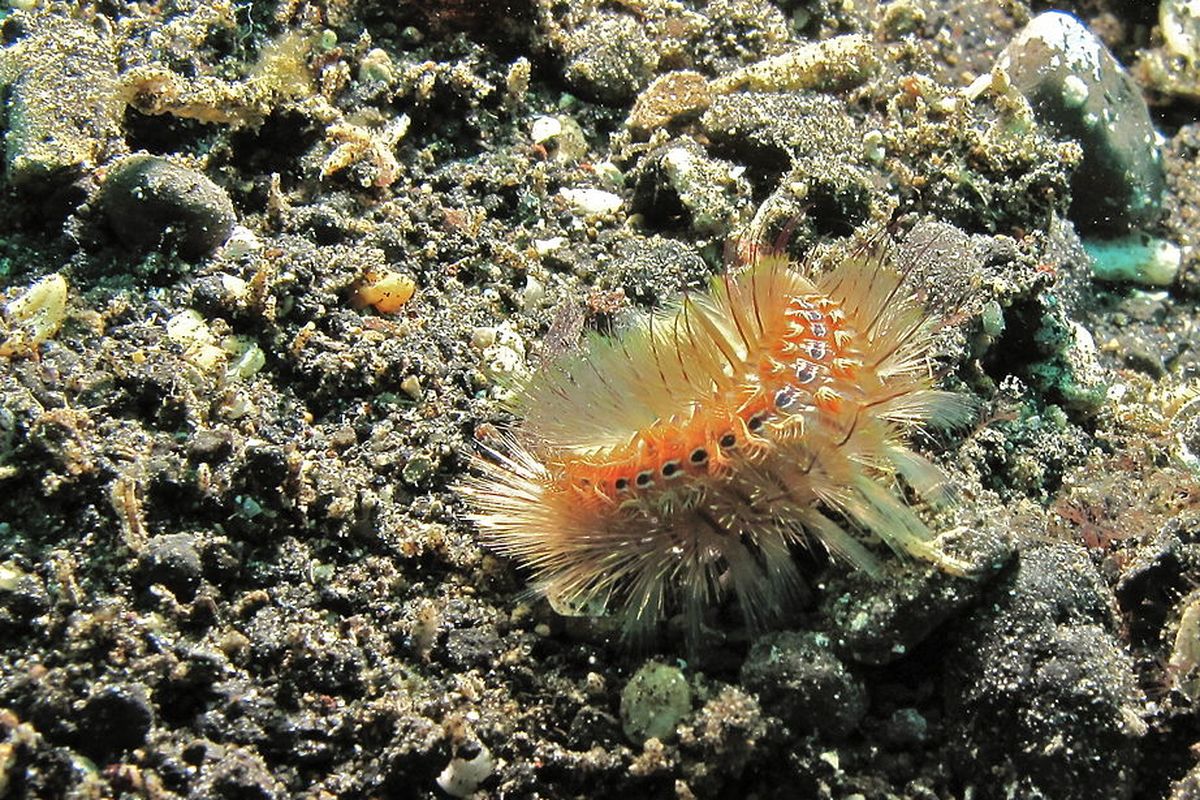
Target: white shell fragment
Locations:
point(35, 315)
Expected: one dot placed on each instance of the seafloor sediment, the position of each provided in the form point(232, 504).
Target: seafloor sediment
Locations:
point(269, 269)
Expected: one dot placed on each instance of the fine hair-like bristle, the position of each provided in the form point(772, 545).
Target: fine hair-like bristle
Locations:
point(683, 462)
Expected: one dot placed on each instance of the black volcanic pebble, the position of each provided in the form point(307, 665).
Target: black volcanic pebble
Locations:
point(172, 560)
point(151, 203)
point(114, 720)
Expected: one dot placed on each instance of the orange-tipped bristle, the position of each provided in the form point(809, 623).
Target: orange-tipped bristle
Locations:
point(681, 463)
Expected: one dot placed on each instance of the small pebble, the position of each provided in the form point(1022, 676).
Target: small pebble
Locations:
point(152, 203)
point(656, 698)
point(172, 560)
point(114, 720)
point(591, 202)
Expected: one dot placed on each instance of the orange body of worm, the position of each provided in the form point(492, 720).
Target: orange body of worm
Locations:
point(665, 469)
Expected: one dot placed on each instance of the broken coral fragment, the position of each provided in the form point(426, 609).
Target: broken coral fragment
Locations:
point(591, 202)
point(470, 766)
point(366, 152)
point(1174, 66)
point(671, 98)
point(64, 107)
point(190, 331)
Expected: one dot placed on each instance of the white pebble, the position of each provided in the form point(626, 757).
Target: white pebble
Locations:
point(591, 201)
point(544, 246)
point(532, 294)
point(461, 777)
point(241, 242)
point(544, 129)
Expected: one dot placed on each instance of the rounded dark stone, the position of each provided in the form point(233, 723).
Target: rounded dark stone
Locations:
point(475, 646)
point(238, 775)
point(173, 561)
point(799, 679)
point(114, 720)
point(1042, 694)
point(152, 203)
point(22, 600)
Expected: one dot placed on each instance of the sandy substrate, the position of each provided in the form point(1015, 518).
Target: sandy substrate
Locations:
point(234, 559)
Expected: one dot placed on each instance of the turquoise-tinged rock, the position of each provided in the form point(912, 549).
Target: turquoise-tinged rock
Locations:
point(1135, 258)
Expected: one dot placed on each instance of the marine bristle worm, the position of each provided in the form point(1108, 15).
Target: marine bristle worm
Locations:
point(683, 461)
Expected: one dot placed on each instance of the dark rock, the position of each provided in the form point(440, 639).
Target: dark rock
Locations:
point(1078, 90)
point(114, 720)
point(238, 713)
point(610, 58)
point(873, 622)
point(1041, 694)
point(306, 738)
point(222, 560)
point(173, 561)
point(885, 625)
point(265, 470)
point(799, 679)
point(23, 598)
point(199, 751)
point(189, 688)
point(591, 726)
point(472, 647)
point(151, 203)
point(239, 775)
point(905, 728)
